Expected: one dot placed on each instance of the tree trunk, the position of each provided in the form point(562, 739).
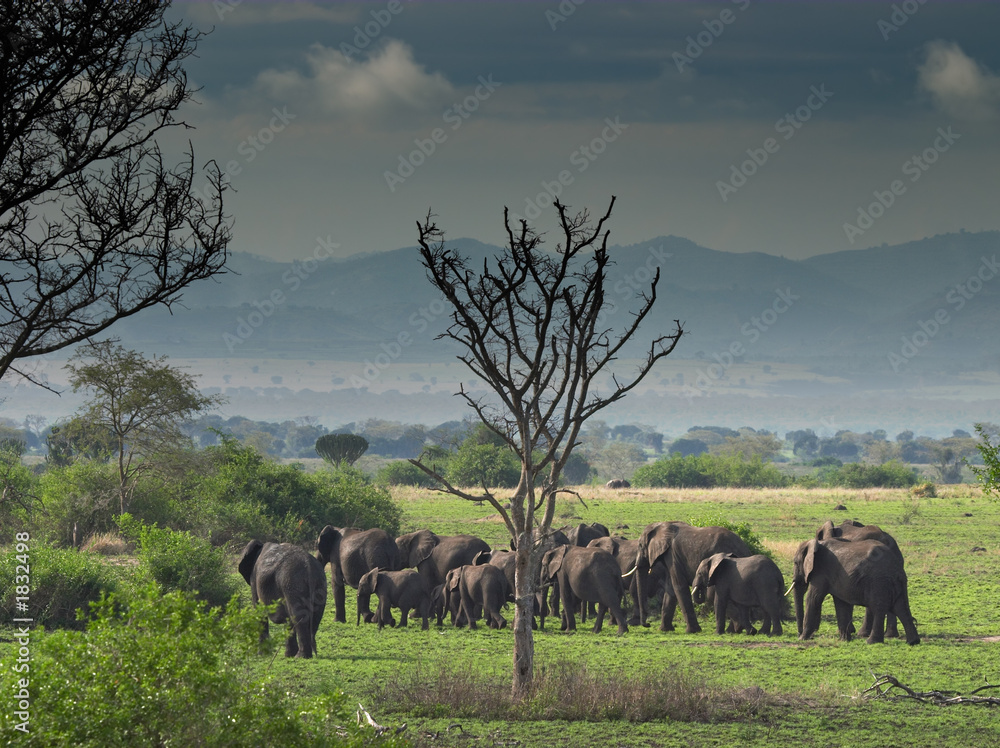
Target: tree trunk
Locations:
point(524, 609)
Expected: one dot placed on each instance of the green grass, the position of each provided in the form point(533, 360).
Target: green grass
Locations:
point(766, 691)
point(812, 691)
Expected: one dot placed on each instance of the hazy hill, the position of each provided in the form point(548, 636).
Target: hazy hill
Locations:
point(843, 312)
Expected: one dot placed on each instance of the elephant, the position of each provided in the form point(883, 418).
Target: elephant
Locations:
point(585, 575)
point(352, 553)
point(742, 583)
point(625, 551)
point(618, 483)
point(404, 589)
point(582, 534)
point(287, 574)
point(854, 572)
point(851, 530)
point(470, 589)
point(435, 555)
point(678, 548)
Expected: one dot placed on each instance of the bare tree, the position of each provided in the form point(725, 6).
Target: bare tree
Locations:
point(534, 329)
point(94, 226)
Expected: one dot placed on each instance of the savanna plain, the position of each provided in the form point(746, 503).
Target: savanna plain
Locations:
point(448, 685)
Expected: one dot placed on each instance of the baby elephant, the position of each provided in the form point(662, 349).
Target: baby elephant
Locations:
point(744, 583)
point(470, 589)
point(405, 590)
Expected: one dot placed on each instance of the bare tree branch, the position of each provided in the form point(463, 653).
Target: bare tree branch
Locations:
point(532, 327)
point(94, 226)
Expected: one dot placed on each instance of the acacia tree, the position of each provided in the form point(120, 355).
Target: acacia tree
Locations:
point(94, 225)
point(341, 449)
point(142, 402)
point(989, 473)
point(534, 328)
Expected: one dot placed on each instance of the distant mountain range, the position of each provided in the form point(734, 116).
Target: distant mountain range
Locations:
point(925, 306)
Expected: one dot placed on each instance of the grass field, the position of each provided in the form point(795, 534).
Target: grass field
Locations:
point(765, 691)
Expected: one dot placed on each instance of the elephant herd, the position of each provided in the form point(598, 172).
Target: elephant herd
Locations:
point(588, 571)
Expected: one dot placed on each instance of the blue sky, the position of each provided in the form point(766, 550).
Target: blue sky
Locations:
point(744, 126)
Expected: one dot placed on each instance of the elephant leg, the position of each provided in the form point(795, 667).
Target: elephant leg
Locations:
point(891, 629)
point(668, 604)
point(866, 627)
point(877, 635)
point(403, 614)
point(291, 644)
point(721, 603)
point(845, 615)
point(339, 601)
point(599, 622)
point(569, 605)
point(902, 609)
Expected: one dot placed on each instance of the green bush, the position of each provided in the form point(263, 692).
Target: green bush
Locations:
point(167, 671)
point(62, 582)
point(19, 490)
point(246, 495)
point(178, 560)
point(743, 529)
point(82, 495)
point(709, 471)
point(893, 474)
point(403, 473)
point(476, 464)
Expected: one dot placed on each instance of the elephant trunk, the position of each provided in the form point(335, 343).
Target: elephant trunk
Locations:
point(698, 595)
point(641, 572)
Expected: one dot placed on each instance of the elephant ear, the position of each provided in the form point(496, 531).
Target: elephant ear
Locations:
point(659, 540)
point(601, 529)
point(715, 562)
point(249, 558)
point(809, 562)
point(483, 557)
point(556, 559)
point(328, 538)
point(452, 580)
point(416, 547)
point(826, 531)
point(369, 581)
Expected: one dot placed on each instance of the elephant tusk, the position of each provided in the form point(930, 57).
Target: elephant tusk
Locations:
point(630, 572)
point(789, 590)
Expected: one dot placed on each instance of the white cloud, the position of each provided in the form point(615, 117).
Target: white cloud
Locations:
point(389, 82)
point(957, 84)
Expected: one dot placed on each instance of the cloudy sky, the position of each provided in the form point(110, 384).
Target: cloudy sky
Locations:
point(788, 128)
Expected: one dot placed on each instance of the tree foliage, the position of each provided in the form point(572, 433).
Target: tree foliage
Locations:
point(141, 401)
point(989, 473)
point(341, 449)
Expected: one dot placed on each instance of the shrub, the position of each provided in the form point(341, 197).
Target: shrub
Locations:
point(743, 529)
point(177, 560)
point(166, 671)
point(707, 471)
point(105, 544)
point(246, 495)
point(892, 474)
point(479, 464)
point(924, 490)
point(82, 496)
point(403, 473)
point(62, 582)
